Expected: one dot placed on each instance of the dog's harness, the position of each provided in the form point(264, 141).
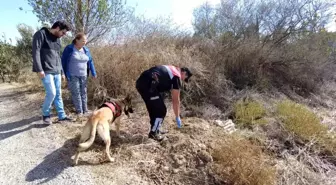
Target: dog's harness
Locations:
point(115, 108)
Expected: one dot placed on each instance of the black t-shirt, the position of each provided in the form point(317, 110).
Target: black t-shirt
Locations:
point(161, 75)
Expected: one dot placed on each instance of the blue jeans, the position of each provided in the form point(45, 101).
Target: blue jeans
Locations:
point(52, 87)
point(78, 89)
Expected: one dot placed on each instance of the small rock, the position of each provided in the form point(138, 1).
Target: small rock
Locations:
point(165, 168)
point(212, 145)
point(219, 123)
point(180, 157)
point(135, 154)
point(141, 163)
point(228, 125)
point(179, 160)
point(202, 146)
point(176, 171)
point(206, 127)
point(205, 156)
point(165, 143)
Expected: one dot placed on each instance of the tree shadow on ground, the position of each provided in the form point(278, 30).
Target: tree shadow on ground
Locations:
point(8, 129)
point(54, 163)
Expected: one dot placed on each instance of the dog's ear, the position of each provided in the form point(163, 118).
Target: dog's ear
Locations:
point(128, 97)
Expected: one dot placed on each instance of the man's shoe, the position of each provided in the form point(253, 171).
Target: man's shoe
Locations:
point(66, 119)
point(155, 136)
point(87, 113)
point(163, 131)
point(46, 120)
point(79, 116)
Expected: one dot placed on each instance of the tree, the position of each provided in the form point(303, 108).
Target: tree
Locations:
point(275, 20)
point(24, 44)
point(95, 18)
point(205, 21)
point(9, 63)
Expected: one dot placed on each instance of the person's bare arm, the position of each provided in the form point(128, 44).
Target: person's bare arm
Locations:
point(176, 101)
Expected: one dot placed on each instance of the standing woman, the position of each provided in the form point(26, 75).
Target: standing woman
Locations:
point(77, 63)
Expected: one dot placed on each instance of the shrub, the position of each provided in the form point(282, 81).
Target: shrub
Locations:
point(239, 162)
point(9, 63)
point(220, 66)
point(118, 67)
point(300, 121)
point(306, 126)
point(328, 143)
point(249, 112)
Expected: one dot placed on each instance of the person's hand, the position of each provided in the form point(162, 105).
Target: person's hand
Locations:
point(178, 121)
point(41, 74)
point(63, 77)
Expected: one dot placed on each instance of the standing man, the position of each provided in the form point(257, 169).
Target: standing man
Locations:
point(151, 84)
point(47, 64)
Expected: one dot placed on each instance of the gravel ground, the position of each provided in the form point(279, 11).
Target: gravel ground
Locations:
point(32, 153)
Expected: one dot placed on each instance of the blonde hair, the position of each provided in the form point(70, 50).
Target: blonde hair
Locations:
point(78, 37)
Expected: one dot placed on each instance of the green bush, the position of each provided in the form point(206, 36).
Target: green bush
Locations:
point(9, 63)
point(249, 112)
point(305, 125)
point(300, 121)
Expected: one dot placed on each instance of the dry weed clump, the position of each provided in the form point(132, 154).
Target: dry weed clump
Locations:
point(300, 121)
point(290, 67)
point(238, 161)
point(249, 113)
point(329, 144)
point(306, 126)
point(119, 66)
point(304, 168)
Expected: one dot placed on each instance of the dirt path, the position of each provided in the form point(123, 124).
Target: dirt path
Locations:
point(32, 153)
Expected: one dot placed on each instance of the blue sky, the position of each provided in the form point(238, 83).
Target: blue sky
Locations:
point(179, 10)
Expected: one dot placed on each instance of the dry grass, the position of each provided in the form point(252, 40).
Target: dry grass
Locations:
point(301, 121)
point(306, 125)
point(239, 162)
point(220, 69)
point(304, 168)
point(118, 68)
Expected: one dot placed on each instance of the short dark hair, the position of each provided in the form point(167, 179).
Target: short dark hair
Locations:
point(189, 73)
point(61, 25)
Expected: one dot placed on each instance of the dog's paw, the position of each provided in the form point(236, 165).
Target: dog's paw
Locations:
point(111, 159)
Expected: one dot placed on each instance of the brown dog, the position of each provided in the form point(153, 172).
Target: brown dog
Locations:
point(100, 121)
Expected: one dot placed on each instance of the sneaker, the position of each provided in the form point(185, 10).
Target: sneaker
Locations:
point(46, 120)
point(155, 136)
point(66, 119)
point(87, 113)
point(163, 131)
point(79, 116)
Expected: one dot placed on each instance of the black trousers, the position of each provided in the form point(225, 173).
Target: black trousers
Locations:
point(154, 101)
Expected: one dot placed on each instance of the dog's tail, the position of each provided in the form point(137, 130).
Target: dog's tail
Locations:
point(88, 143)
